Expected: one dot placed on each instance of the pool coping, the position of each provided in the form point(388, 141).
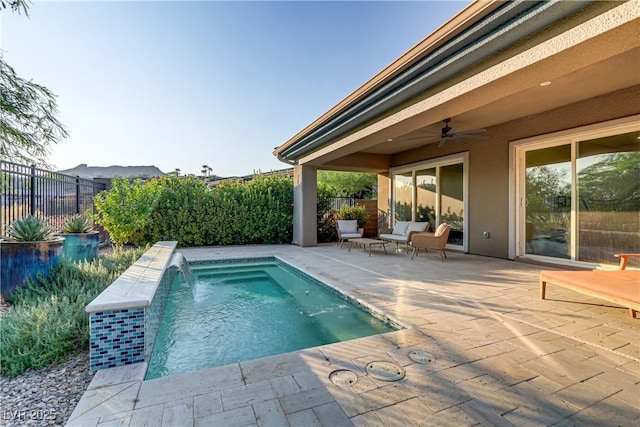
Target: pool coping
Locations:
point(137, 286)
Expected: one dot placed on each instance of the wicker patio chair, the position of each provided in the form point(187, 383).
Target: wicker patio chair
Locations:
point(426, 241)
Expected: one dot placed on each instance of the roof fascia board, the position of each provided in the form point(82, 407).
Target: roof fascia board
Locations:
point(604, 23)
point(462, 20)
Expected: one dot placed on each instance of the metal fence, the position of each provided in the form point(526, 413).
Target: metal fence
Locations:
point(27, 190)
point(338, 202)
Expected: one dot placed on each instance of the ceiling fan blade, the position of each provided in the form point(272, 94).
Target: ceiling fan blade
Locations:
point(432, 140)
point(471, 136)
point(471, 131)
point(431, 135)
point(443, 141)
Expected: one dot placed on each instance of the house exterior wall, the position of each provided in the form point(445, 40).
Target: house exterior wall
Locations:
point(488, 165)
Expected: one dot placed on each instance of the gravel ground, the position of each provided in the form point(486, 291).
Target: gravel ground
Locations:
point(46, 397)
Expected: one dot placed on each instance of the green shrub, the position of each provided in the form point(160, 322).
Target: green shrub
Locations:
point(256, 212)
point(125, 210)
point(184, 209)
point(326, 217)
point(47, 322)
point(354, 212)
point(181, 212)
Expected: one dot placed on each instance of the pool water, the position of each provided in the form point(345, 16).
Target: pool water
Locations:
point(241, 311)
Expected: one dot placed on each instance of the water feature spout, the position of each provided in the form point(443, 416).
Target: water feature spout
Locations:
point(180, 263)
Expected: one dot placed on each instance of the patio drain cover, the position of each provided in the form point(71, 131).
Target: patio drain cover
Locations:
point(385, 371)
point(343, 377)
point(420, 356)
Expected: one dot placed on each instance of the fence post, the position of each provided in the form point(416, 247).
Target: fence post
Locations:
point(77, 194)
point(32, 204)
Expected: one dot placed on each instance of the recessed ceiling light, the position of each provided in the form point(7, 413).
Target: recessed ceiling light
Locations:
point(545, 83)
point(390, 139)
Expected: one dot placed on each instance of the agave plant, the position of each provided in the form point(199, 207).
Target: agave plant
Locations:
point(77, 224)
point(30, 229)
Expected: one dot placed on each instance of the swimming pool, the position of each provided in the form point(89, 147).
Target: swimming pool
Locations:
point(243, 310)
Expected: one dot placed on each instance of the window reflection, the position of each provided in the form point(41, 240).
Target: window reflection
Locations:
point(608, 188)
point(548, 206)
point(426, 197)
point(451, 201)
point(438, 198)
point(403, 196)
point(607, 208)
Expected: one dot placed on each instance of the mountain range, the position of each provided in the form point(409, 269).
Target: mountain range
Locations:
point(90, 172)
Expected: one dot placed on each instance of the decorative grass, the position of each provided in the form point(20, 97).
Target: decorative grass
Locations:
point(47, 322)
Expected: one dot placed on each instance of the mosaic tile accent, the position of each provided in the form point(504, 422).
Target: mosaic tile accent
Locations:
point(117, 338)
point(155, 311)
point(126, 333)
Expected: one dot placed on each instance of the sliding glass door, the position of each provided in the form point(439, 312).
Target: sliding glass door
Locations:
point(608, 197)
point(403, 200)
point(426, 195)
point(548, 201)
point(581, 197)
point(433, 192)
point(452, 201)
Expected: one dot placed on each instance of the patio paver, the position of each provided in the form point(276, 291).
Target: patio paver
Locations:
point(501, 356)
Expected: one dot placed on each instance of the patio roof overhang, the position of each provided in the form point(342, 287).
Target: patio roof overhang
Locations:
point(483, 67)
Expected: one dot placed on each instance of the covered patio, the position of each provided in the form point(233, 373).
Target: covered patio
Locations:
point(553, 86)
point(499, 355)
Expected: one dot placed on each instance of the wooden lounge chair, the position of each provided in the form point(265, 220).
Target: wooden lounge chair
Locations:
point(618, 286)
point(426, 241)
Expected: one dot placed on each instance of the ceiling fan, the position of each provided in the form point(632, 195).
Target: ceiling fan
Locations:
point(450, 134)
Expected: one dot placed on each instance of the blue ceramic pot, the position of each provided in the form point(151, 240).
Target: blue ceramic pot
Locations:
point(81, 246)
point(20, 261)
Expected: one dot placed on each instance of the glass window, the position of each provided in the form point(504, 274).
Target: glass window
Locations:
point(426, 191)
point(451, 201)
point(608, 202)
point(403, 201)
point(583, 199)
point(548, 201)
point(432, 194)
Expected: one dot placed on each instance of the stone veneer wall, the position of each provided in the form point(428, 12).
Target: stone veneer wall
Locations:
point(124, 318)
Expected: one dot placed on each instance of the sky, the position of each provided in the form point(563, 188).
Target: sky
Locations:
point(182, 84)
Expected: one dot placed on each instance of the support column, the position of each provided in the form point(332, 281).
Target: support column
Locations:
point(384, 201)
point(305, 205)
